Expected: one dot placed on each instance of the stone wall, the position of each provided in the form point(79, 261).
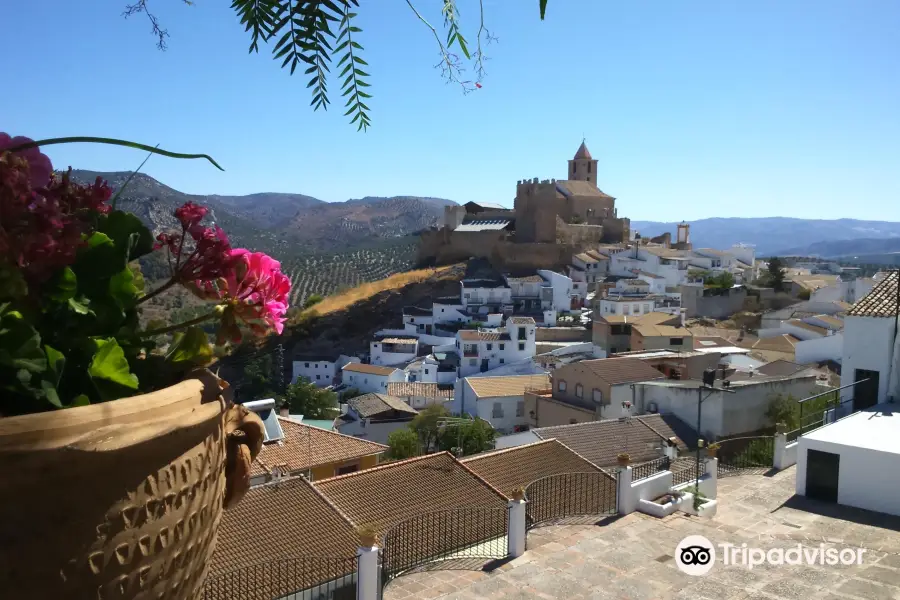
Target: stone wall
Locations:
point(562, 334)
point(698, 303)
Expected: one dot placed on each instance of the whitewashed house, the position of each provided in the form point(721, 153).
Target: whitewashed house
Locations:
point(872, 346)
point(449, 309)
point(670, 264)
point(393, 350)
point(819, 337)
point(370, 378)
point(421, 320)
point(498, 400)
point(557, 292)
point(322, 370)
point(485, 349)
point(483, 296)
point(844, 291)
point(374, 417)
point(592, 264)
point(525, 293)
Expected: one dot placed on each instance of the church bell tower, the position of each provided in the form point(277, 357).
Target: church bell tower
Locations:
point(583, 167)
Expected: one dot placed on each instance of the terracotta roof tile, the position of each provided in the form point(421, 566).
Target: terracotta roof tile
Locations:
point(304, 447)
point(516, 467)
point(388, 494)
point(583, 257)
point(780, 368)
point(399, 340)
point(469, 335)
point(511, 385)
point(881, 301)
point(521, 320)
point(580, 188)
point(582, 152)
point(526, 279)
point(374, 405)
point(779, 343)
point(369, 369)
point(419, 388)
point(269, 527)
point(615, 371)
point(601, 441)
point(809, 327)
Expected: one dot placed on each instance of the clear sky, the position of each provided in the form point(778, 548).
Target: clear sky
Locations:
point(694, 108)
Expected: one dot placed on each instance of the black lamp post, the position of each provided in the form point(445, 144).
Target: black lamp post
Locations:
point(709, 383)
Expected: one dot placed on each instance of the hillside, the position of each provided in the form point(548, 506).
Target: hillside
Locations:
point(772, 235)
point(848, 248)
point(323, 247)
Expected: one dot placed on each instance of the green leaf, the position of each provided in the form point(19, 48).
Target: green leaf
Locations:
point(50, 393)
point(543, 8)
point(63, 285)
point(190, 348)
point(20, 343)
point(128, 234)
point(109, 370)
point(111, 141)
point(80, 307)
point(56, 362)
point(80, 400)
point(122, 288)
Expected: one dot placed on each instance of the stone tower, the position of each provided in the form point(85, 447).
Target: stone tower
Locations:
point(583, 167)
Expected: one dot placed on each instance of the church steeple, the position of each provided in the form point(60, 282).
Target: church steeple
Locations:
point(583, 167)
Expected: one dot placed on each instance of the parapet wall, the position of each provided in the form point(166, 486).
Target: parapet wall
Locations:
point(446, 247)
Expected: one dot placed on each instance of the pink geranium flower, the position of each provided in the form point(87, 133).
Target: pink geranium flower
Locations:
point(39, 166)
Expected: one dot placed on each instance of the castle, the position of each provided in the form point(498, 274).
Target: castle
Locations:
point(551, 220)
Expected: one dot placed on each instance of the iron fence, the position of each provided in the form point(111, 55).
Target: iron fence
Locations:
point(307, 578)
point(740, 454)
point(649, 468)
point(462, 533)
point(570, 495)
point(687, 471)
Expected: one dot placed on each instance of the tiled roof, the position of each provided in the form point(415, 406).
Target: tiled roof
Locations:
point(516, 467)
point(585, 258)
point(418, 388)
point(304, 447)
point(711, 341)
point(512, 385)
point(881, 301)
point(597, 255)
point(659, 330)
point(385, 495)
point(833, 322)
point(373, 405)
point(780, 368)
point(652, 275)
point(582, 152)
point(712, 251)
point(650, 318)
point(399, 340)
point(526, 279)
point(779, 343)
point(488, 205)
point(615, 371)
point(641, 437)
point(663, 252)
point(280, 520)
point(579, 188)
point(415, 311)
point(369, 369)
point(809, 327)
point(521, 320)
point(469, 335)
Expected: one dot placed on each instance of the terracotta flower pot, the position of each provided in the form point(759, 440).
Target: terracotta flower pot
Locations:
point(122, 499)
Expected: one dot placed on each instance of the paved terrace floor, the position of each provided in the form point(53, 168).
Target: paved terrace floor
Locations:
point(633, 557)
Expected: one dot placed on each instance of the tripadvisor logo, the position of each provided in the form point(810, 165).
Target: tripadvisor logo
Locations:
point(696, 555)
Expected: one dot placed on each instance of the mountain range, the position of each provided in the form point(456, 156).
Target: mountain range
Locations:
point(786, 236)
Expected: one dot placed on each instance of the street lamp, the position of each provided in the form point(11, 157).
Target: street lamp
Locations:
point(708, 383)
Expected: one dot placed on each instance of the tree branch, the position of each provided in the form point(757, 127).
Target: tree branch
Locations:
point(450, 65)
point(141, 7)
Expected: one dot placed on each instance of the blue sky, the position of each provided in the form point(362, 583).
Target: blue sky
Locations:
point(694, 108)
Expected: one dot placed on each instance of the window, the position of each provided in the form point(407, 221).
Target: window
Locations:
point(646, 308)
point(598, 396)
point(612, 350)
point(579, 390)
point(351, 378)
point(502, 361)
point(348, 469)
point(497, 413)
point(442, 310)
point(501, 346)
point(522, 334)
point(520, 408)
point(473, 362)
point(490, 346)
point(306, 365)
point(589, 167)
point(366, 380)
point(637, 309)
point(318, 376)
point(426, 371)
point(561, 386)
point(626, 310)
point(676, 341)
point(316, 366)
point(521, 346)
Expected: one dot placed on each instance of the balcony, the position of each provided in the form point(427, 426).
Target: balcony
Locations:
point(470, 351)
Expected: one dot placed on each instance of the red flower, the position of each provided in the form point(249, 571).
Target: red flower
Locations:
point(39, 166)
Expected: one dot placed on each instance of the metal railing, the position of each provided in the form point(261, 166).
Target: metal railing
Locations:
point(570, 495)
point(304, 578)
point(650, 468)
point(686, 471)
point(743, 453)
point(462, 533)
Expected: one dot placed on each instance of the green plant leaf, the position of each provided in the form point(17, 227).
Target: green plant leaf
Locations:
point(80, 400)
point(80, 307)
point(543, 9)
point(128, 233)
point(190, 348)
point(112, 141)
point(63, 285)
point(20, 343)
point(122, 288)
point(56, 362)
point(48, 390)
point(109, 370)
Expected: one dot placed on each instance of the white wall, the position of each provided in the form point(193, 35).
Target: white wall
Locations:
point(366, 382)
point(515, 439)
point(319, 372)
point(448, 313)
point(374, 432)
point(868, 344)
point(618, 395)
point(562, 289)
point(830, 347)
point(508, 404)
point(858, 485)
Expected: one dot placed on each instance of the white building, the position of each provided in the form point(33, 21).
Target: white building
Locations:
point(321, 370)
point(393, 350)
point(557, 292)
point(525, 293)
point(670, 264)
point(419, 395)
point(374, 417)
point(370, 378)
point(420, 318)
point(872, 346)
point(594, 265)
point(483, 296)
point(844, 291)
point(498, 400)
point(486, 349)
point(449, 309)
point(853, 461)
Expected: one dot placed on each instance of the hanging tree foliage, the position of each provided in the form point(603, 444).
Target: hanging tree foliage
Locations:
point(321, 38)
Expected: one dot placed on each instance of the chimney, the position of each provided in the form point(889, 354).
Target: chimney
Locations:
point(284, 411)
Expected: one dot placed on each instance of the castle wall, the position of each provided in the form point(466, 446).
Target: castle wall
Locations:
point(584, 235)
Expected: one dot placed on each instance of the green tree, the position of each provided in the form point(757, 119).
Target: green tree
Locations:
point(350, 393)
point(776, 273)
point(425, 424)
point(466, 438)
point(403, 443)
point(304, 398)
point(723, 280)
point(787, 410)
point(310, 35)
point(257, 379)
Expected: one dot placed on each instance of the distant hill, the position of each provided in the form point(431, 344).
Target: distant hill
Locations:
point(773, 235)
